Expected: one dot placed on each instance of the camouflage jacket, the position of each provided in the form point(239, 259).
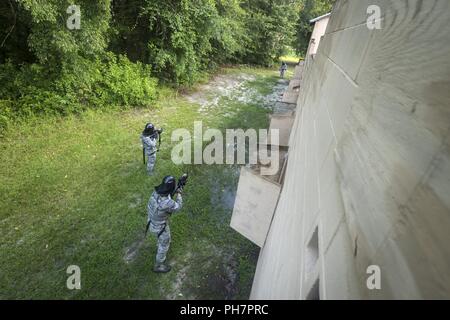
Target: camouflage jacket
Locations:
point(160, 208)
point(149, 144)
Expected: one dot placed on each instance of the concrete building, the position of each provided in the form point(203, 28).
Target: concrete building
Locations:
point(367, 182)
point(320, 26)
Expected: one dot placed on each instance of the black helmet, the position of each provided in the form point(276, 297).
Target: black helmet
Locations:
point(149, 129)
point(167, 186)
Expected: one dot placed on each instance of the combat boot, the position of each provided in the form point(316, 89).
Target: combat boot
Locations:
point(161, 268)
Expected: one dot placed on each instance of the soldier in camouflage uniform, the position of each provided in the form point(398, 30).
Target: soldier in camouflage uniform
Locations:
point(283, 69)
point(160, 207)
point(149, 138)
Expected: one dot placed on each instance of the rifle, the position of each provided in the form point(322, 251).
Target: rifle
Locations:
point(159, 138)
point(181, 183)
point(146, 228)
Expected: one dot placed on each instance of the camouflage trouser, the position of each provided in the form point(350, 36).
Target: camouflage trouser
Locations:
point(163, 241)
point(151, 159)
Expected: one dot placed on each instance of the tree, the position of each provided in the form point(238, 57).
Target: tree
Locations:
point(52, 42)
point(270, 26)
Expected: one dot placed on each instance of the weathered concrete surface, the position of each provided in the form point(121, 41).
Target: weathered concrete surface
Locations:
point(282, 123)
point(369, 161)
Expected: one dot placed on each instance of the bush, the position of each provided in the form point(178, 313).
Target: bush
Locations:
point(6, 114)
point(107, 83)
point(128, 83)
point(112, 81)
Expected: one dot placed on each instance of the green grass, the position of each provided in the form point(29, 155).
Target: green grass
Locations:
point(290, 59)
point(74, 191)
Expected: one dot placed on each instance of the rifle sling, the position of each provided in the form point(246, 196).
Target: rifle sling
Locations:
point(162, 230)
point(146, 228)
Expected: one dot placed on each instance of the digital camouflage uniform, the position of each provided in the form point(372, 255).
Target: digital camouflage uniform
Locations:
point(283, 69)
point(159, 210)
point(149, 144)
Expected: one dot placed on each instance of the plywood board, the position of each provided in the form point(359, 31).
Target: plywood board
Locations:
point(281, 108)
point(294, 85)
point(284, 126)
point(298, 71)
point(254, 206)
point(282, 159)
point(290, 97)
point(292, 92)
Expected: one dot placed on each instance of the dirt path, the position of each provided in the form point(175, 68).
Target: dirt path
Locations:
point(238, 88)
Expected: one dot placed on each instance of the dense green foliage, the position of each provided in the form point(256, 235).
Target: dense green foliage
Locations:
point(47, 68)
point(178, 39)
point(271, 27)
point(124, 46)
point(310, 9)
point(99, 83)
point(181, 39)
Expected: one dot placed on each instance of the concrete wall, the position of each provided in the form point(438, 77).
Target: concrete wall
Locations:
point(368, 175)
point(319, 30)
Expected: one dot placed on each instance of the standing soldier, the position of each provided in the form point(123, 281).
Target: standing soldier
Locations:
point(160, 207)
point(149, 139)
point(283, 69)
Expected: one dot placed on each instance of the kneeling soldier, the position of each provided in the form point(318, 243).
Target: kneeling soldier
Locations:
point(160, 207)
